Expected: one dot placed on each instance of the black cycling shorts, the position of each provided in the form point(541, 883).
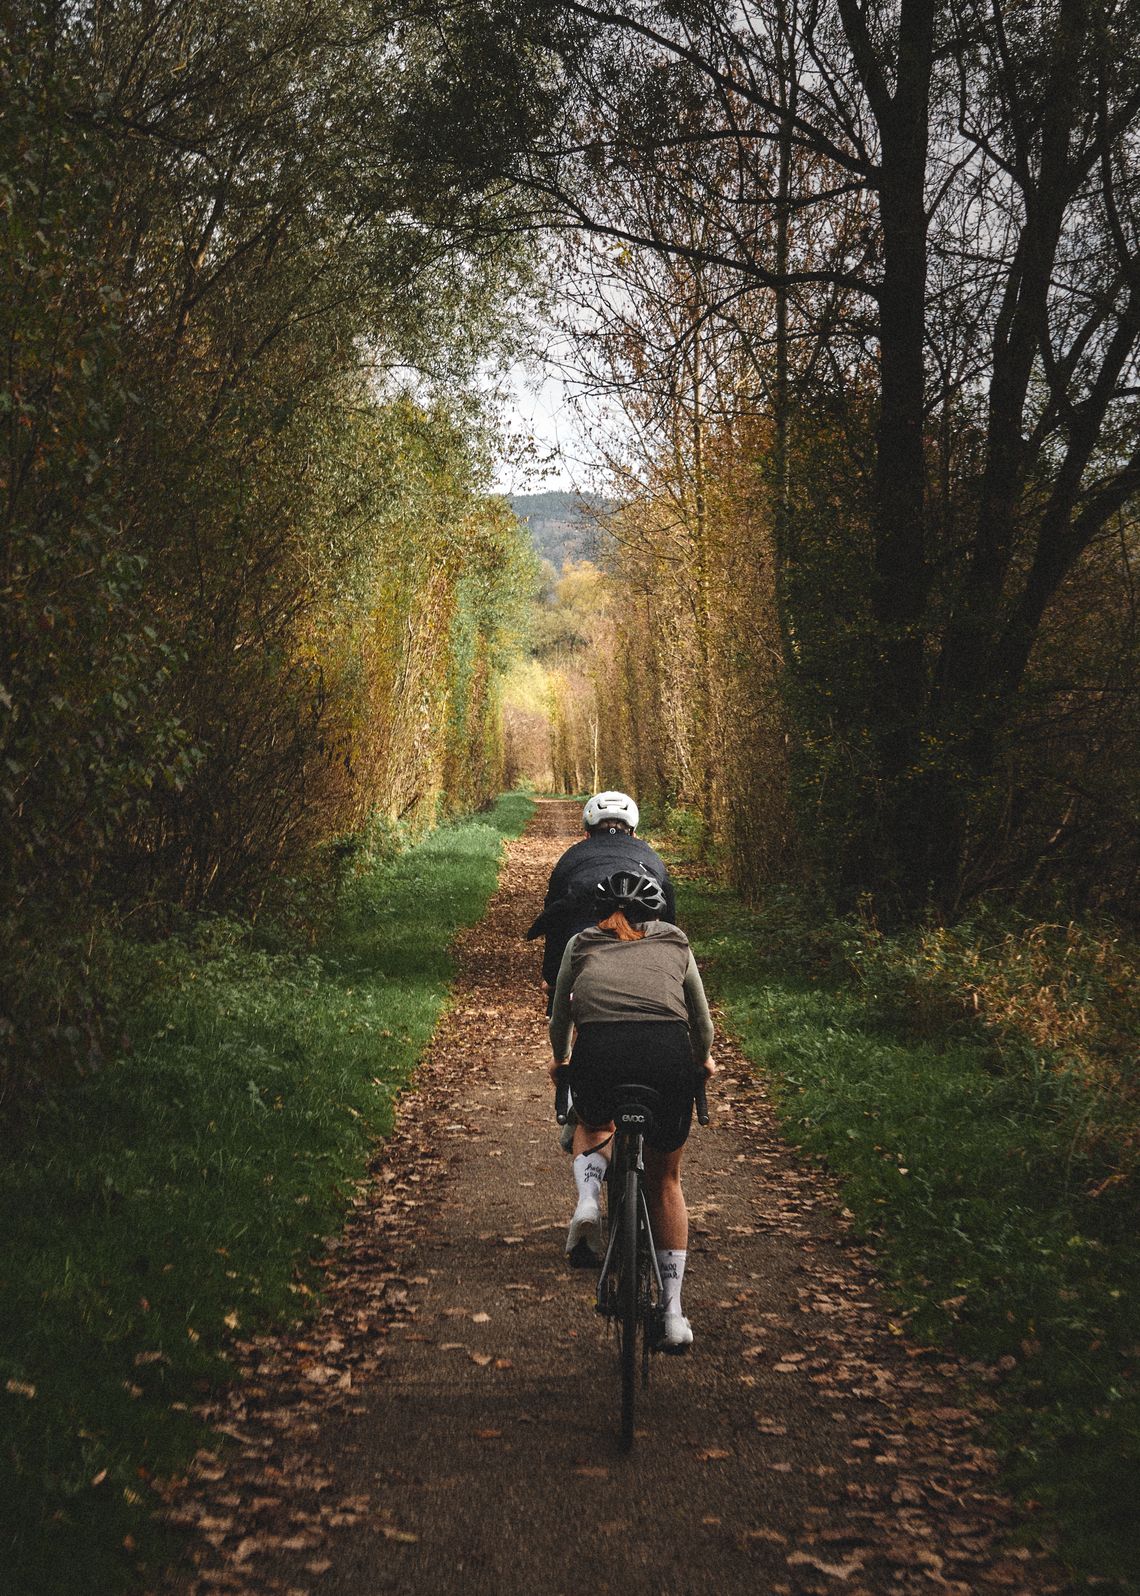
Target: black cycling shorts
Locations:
point(654, 1053)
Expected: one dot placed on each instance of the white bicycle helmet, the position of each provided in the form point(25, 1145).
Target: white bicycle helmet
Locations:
point(605, 806)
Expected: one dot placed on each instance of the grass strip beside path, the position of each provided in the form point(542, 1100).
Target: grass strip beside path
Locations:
point(174, 1199)
point(1003, 1194)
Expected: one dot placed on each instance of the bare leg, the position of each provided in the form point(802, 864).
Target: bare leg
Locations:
point(667, 1212)
point(588, 1139)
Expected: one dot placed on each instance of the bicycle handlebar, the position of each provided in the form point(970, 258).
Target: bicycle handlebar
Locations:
point(562, 1096)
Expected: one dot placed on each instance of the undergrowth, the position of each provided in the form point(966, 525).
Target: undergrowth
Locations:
point(975, 1090)
point(177, 1196)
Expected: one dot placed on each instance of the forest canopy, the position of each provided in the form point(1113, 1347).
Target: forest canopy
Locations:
point(863, 279)
point(255, 595)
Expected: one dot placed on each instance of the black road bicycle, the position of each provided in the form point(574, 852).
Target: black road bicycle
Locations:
point(630, 1292)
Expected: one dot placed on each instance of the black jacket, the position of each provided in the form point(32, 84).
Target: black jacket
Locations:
point(569, 906)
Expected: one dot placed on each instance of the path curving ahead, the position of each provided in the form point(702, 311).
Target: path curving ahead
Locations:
point(448, 1422)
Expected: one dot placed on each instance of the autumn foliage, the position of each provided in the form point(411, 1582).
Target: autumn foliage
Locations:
point(253, 597)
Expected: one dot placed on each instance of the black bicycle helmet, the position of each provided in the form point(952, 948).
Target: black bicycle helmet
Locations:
point(639, 895)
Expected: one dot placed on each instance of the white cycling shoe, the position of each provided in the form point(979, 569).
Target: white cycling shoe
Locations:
point(584, 1238)
point(677, 1334)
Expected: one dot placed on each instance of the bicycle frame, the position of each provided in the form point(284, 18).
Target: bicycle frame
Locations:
point(628, 1154)
point(630, 1290)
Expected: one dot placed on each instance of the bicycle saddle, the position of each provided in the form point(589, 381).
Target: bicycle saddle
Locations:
point(636, 1107)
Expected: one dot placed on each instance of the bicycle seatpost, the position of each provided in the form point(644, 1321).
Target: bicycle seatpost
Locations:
point(562, 1094)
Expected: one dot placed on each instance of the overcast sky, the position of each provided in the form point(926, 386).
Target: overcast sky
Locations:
point(539, 410)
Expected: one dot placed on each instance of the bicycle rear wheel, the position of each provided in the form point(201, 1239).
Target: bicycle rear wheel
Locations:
point(629, 1305)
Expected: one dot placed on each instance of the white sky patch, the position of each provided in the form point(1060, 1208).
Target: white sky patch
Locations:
point(546, 450)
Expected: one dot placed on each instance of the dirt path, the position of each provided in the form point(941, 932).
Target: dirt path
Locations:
point(448, 1423)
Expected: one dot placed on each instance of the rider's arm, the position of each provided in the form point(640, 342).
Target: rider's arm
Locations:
point(560, 1021)
point(700, 1021)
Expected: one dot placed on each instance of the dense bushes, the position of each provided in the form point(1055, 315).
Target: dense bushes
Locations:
point(975, 1092)
point(252, 593)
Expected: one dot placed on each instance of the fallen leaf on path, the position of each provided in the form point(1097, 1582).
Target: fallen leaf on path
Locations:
point(771, 1535)
point(712, 1454)
point(404, 1536)
point(834, 1570)
point(481, 1358)
point(487, 1435)
point(22, 1388)
point(319, 1565)
point(480, 1318)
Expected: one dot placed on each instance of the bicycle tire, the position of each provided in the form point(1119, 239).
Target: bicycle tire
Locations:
point(630, 1305)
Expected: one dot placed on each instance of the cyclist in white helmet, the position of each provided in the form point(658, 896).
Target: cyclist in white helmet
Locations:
point(611, 844)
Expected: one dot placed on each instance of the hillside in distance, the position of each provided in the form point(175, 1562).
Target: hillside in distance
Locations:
point(562, 525)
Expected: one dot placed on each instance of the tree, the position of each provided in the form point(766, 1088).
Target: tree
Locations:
point(238, 443)
point(950, 195)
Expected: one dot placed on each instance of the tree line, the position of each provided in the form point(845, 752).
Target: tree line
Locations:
point(254, 596)
point(862, 279)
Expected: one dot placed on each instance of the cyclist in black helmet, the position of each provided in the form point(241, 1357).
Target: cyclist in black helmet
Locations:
point(629, 991)
point(611, 844)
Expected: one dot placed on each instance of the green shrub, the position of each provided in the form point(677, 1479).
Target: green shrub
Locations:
point(974, 1092)
point(180, 1193)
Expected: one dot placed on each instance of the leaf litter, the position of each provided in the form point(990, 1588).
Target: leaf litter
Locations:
point(907, 1503)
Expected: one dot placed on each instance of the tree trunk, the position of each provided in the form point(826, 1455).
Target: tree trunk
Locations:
point(901, 575)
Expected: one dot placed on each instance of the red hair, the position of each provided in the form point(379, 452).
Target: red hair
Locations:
point(621, 928)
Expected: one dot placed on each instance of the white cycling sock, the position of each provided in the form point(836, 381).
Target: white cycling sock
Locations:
point(589, 1172)
point(672, 1266)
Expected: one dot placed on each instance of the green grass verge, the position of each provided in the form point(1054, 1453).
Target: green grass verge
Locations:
point(178, 1195)
point(989, 1171)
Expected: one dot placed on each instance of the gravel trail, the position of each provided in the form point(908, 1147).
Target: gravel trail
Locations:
point(448, 1422)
